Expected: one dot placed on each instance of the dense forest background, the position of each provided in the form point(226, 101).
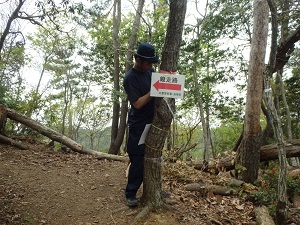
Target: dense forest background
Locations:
point(62, 64)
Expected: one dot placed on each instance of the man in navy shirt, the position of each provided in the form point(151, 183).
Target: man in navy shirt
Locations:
point(137, 83)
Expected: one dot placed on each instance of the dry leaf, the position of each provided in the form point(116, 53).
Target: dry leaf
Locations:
point(219, 199)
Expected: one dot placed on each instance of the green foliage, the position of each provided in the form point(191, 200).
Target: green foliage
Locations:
point(293, 186)
point(13, 59)
point(230, 19)
point(229, 109)
point(27, 218)
point(226, 135)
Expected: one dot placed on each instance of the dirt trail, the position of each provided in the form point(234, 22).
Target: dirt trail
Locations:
point(42, 186)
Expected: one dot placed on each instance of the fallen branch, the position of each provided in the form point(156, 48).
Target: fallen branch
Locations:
point(60, 138)
point(7, 140)
point(178, 153)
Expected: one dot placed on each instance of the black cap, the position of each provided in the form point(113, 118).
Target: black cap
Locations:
point(146, 51)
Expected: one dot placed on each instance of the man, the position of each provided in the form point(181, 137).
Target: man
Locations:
point(137, 83)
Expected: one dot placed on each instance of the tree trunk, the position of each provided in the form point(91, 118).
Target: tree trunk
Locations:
point(3, 117)
point(162, 115)
point(248, 152)
point(116, 87)
point(118, 132)
point(13, 16)
point(201, 110)
point(58, 137)
point(284, 35)
point(281, 207)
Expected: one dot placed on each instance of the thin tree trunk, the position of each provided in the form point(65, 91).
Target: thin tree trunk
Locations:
point(66, 104)
point(13, 16)
point(202, 116)
point(119, 132)
point(116, 88)
point(288, 113)
point(281, 208)
point(284, 35)
point(200, 102)
point(162, 115)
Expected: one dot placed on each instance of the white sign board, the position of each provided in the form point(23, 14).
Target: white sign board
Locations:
point(167, 85)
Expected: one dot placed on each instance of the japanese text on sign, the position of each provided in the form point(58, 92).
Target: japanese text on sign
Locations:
point(167, 85)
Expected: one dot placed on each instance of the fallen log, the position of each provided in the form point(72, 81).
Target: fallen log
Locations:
point(60, 138)
point(7, 140)
point(262, 216)
point(270, 152)
point(267, 153)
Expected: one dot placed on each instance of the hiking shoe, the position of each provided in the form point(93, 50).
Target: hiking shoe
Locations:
point(165, 194)
point(132, 201)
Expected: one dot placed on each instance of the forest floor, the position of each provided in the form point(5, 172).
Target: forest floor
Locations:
point(43, 186)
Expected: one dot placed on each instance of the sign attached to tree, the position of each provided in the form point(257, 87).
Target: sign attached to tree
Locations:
point(167, 85)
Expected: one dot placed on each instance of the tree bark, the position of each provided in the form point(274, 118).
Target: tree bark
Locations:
point(163, 107)
point(281, 207)
point(116, 78)
point(58, 137)
point(248, 152)
point(3, 117)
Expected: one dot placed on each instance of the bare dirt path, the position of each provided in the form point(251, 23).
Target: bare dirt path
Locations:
point(42, 186)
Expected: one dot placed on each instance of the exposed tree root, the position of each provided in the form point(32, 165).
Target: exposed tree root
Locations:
point(145, 211)
point(148, 209)
point(214, 221)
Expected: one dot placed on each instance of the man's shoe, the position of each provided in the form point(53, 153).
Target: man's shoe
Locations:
point(165, 194)
point(132, 201)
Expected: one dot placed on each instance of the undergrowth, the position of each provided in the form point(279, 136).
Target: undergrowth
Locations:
point(267, 192)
